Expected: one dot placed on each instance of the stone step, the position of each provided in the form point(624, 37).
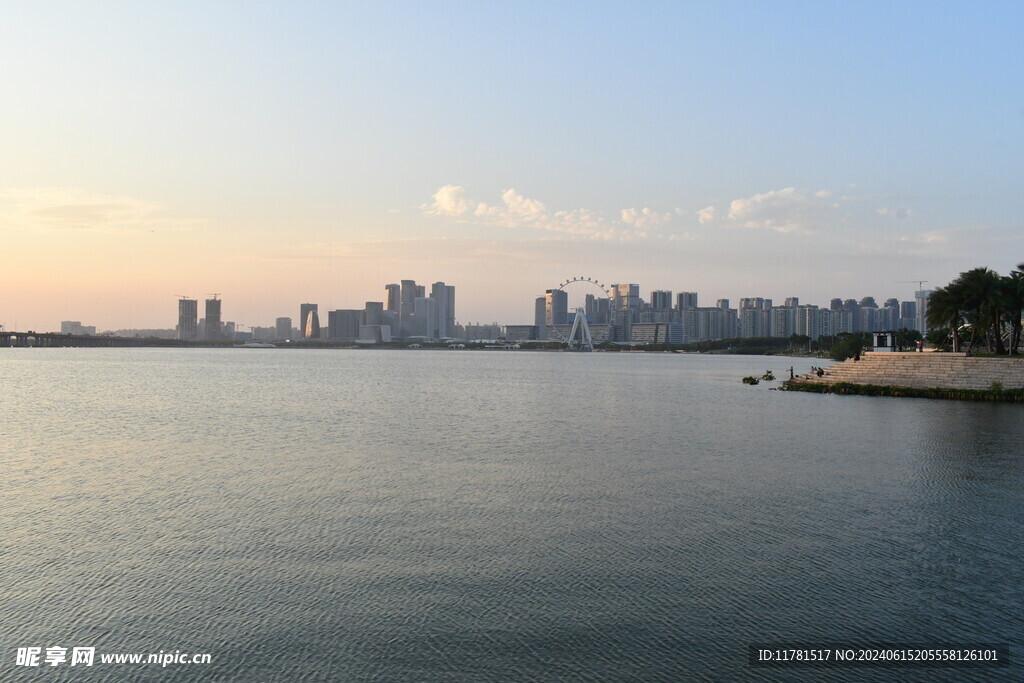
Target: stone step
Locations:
point(925, 370)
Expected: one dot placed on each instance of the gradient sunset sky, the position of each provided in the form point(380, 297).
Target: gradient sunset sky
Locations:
point(278, 153)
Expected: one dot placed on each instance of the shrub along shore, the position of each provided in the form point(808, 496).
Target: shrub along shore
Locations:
point(995, 393)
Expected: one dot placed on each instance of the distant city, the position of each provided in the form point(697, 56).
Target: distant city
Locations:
point(409, 313)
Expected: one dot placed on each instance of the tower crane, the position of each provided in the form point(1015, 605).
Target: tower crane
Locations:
point(920, 283)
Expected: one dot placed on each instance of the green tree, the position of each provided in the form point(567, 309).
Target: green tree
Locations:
point(847, 344)
point(1013, 287)
point(982, 291)
point(945, 309)
point(799, 342)
point(906, 338)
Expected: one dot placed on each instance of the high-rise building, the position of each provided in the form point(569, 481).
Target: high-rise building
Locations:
point(188, 315)
point(372, 311)
point(755, 321)
point(407, 303)
point(556, 307)
point(755, 303)
point(393, 297)
point(807, 322)
point(343, 324)
point(449, 312)
point(424, 319)
point(625, 297)
point(71, 327)
point(540, 318)
point(908, 315)
point(212, 330)
point(921, 312)
point(792, 302)
point(723, 304)
point(283, 328)
point(853, 308)
point(312, 329)
point(597, 309)
point(782, 321)
point(685, 300)
point(389, 322)
point(306, 312)
point(444, 296)
point(661, 300)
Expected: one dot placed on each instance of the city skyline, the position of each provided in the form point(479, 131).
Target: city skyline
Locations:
point(394, 307)
point(312, 153)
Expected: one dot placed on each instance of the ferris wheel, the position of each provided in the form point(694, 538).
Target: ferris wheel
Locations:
point(582, 299)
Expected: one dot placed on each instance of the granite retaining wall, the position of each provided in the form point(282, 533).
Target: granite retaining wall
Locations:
point(924, 371)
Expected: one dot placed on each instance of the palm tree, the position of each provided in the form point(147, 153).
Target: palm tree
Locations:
point(982, 292)
point(1013, 290)
point(945, 307)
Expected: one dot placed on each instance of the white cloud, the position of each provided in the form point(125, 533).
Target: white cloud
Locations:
point(644, 218)
point(450, 200)
point(787, 210)
point(930, 237)
point(707, 215)
point(900, 213)
point(514, 211)
point(518, 211)
point(59, 208)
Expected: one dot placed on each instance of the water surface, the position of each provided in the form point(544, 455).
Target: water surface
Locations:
point(469, 516)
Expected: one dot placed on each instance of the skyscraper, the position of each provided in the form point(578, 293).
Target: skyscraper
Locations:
point(312, 328)
point(540, 317)
point(393, 297)
point(688, 300)
point(425, 317)
point(661, 300)
point(449, 313)
point(212, 332)
point(188, 316)
point(372, 311)
point(556, 307)
point(444, 295)
point(307, 331)
point(343, 324)
point(921, 309)
point(283, 328)
point(625, 297)
point(407, 305)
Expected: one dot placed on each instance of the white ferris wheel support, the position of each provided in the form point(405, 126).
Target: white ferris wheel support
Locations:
point(580, 323)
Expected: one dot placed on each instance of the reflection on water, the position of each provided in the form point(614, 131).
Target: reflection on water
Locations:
point(377, 515)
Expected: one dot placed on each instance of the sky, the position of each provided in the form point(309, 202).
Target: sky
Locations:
point(281, 153)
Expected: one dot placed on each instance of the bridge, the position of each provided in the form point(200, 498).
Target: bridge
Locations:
point(55, 340)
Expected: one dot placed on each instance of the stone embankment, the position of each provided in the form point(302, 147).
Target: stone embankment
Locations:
point(922, 371)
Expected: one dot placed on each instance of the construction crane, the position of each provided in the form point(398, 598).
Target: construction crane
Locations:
point(182, 296)
point(214, 295)
point(920, 283)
